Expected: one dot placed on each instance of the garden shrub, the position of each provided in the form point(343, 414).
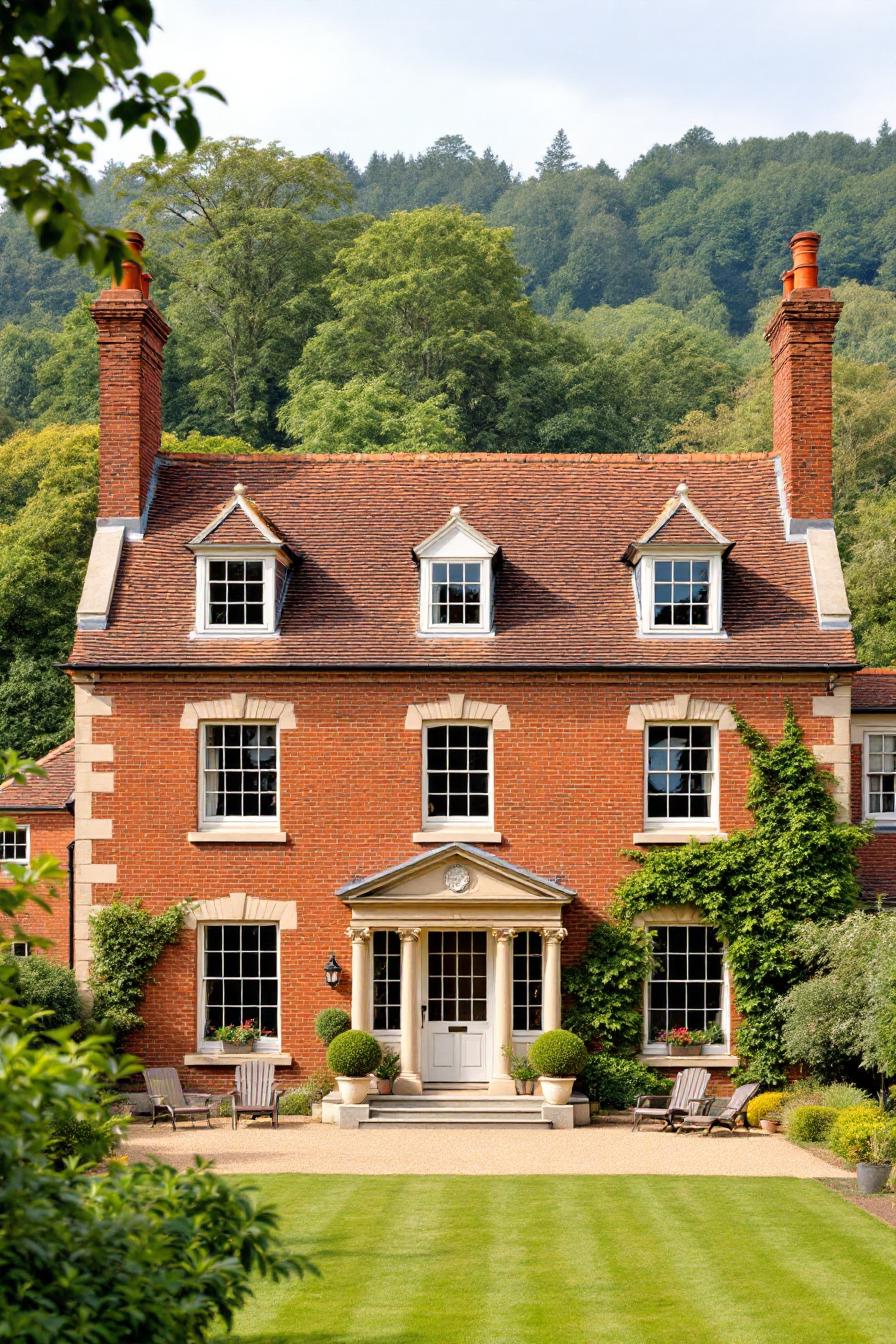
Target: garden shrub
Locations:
point(762, 1106)
point(295, 1102)
point(354, 1053)
point(558, 1054)
point(42, 983)
point(616, 1083)
point(330, 1023)
point(850, 1135)
point(319, 1083)
point(810, 1124)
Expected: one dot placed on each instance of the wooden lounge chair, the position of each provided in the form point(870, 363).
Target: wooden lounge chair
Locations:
point(688, 1092)
point(255, 1093)
point(735, 1109)
point(167, 1098)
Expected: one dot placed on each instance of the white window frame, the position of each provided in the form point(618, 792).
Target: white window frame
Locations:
point(20, 943)
point(649, 1047)
point(644, 592)
point(264, 1043)
point(269, 574)
point(886, 818)
point(438, 825)
point(484, 626)
point(20, 826)
point(684, 825)
point(215, 824)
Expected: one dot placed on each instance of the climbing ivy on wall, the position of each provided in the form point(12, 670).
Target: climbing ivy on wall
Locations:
point(796, 863)
point(127, 942)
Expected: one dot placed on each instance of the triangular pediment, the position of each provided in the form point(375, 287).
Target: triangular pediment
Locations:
point(459, 875)
point(239, 523)
point(456, 540)
point(680, 523)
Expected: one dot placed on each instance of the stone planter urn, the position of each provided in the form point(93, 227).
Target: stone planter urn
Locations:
point(353, 1091)
point(871, 1177)
point(525, 1087)
point(556, 1091)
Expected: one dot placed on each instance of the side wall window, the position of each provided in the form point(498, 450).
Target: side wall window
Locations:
point(241, 978)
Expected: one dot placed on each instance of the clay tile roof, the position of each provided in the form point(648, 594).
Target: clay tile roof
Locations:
point(564, 596)
point(51, 792)
point(874, 688)
point(682, 527)
point(236, 529)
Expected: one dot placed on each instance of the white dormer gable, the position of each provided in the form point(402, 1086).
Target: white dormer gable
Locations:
point(456, 580)
point(242, 572)
point(677, 572)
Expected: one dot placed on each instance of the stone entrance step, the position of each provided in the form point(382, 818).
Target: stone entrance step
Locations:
point(447, 1117)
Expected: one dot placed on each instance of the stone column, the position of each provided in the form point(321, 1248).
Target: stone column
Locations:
point(502, 1085)
point(361, 1004)
point(550, 983)
point(409, 1082)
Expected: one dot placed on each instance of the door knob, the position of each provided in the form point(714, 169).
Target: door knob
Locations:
point(422, 1015)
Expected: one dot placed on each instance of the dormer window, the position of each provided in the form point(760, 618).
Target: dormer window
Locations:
point(242, 571)
point(456, 580)
point(677, 567)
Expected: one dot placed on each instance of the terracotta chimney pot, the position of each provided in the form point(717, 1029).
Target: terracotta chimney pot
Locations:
point(131, 270)
point(804, 248)
point(787, 280)
point(145, 282)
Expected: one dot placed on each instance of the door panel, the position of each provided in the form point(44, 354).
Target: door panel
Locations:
point(457, 1035)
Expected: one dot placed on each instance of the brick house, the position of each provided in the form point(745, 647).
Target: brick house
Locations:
point(403, 714)
point(43, 812)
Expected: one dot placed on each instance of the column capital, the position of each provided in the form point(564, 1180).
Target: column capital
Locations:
point(554, 935)
point(409, 935)
point(503, 935)
point(357, 935)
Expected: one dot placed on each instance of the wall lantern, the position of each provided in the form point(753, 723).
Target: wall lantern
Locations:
point(332, 971)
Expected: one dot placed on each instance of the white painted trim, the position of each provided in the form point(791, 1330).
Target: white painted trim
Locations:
point(646, 605)
point(464, 834)
point(681, 500)
point(19, 826)
point(445, 828)
point(659, 828)
point(217, 826)
point(269, 579)
point(222, 835)
point(881, 819)
point(211, 1049)
point(239, 501)
point(484, 627)
point(671, 917)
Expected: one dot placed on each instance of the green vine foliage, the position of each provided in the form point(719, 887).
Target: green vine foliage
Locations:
point(796, 863)
point(606, 986)
point(127, 943)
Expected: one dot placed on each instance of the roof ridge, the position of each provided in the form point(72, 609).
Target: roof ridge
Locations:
point(506, 459)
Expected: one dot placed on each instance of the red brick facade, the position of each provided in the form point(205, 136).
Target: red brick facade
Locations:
point(569, 795)
point(43, 804)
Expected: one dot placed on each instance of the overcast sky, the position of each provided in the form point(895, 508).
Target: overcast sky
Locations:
point(618, 75)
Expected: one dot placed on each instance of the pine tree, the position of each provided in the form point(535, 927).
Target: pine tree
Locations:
point(558, 157)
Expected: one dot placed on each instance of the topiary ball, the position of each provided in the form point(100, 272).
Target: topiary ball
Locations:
point(330, 1023)
point(354, 1053)
point(558, 1054)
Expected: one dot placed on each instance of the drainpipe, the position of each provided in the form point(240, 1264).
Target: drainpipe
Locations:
point(71, 904)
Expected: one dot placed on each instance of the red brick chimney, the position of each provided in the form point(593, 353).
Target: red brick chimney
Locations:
point(132, 334)
point(801, 337)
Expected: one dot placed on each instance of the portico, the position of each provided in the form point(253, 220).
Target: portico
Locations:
point(455, 961)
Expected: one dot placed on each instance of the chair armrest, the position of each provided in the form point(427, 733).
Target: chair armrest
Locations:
point(647, 1098)
point(278, 1093)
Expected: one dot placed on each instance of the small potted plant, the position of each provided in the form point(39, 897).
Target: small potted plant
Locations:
point(524, 1074)
point(387, 1071)
point(239, 1040)
point(557, 1057)
point(711, 1039)
point(353, 1056)
point(876, 1162)
point(680, 1041)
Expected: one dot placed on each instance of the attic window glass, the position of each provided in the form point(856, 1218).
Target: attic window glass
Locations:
point(235, 592)
point(681, 592)
point(455, 592)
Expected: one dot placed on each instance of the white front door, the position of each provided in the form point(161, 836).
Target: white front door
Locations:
point(456, 1034)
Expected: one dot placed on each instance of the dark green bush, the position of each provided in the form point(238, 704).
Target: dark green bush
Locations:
point(330, 1023)
point(558, 1054)
point(42, 983)
point(617, 1083)
point(810, 1124)
point(354, 1053)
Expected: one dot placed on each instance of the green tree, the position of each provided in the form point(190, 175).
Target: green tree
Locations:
point(67, 72)
point(242, 257)
point(558, 157)
point(67, 380)
point(22, 351)
point(368, 415)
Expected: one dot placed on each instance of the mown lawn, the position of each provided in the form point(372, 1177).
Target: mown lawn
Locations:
point(538, 1259)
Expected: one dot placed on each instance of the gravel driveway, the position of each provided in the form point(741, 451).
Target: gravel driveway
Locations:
point(604, 1150)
